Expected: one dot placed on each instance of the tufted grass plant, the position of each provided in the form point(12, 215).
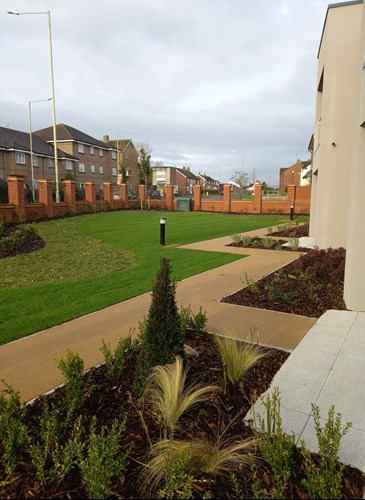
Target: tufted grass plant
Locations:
point(238, 356)
point(168, 395)
point(199, 457)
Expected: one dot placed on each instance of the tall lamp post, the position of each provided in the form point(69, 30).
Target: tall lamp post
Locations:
point(48, 13)
point(31, 140)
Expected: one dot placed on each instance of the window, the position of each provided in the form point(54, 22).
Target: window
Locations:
point(101, 170)
point(92, 152)
point(35, 161)
point(114, 155)
point(114, 171)
point(92, 169)
point(50, 162)
point(100, 152)
point(80, 148)
point(82, 167)
point(69, 165)
point(20, 158)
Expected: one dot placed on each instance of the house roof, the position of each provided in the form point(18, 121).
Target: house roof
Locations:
point(16, 140)
point(67, 133)
point(187, 173)
point(120, 144)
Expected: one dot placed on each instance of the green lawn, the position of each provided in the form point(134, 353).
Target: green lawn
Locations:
point(90, 262)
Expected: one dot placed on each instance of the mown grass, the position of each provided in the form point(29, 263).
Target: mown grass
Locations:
point(104, 259)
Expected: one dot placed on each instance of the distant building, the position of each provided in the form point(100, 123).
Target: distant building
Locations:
point(295, 174)
point(15, 157)
point(182, 179)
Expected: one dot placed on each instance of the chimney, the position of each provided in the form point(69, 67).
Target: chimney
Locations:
point(105, 138)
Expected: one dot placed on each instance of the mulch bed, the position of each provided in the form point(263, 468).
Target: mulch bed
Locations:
point(31, 245)
point(109, 401)
point(309, 286)
point(293, 232)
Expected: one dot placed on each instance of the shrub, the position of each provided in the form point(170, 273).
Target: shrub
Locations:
point(167, 393)
point(246, 240)
point(104, 459)
point(163, 338)
point(13, 432)
point(114, 361)
point(190, 321)
point(276, 447)
point(238, 357)
point(324, 474)
point(196, 457)
point(236, 238)
point(17, 239)
point(268, 242)
point(72, 369)
point(2, 225)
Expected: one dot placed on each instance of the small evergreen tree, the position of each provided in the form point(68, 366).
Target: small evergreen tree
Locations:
point(163, 337)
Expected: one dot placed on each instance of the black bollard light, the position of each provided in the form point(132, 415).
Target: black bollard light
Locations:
point(292, 211)
point(162, 230)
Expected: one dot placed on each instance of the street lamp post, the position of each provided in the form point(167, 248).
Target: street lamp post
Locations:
point(31, 140)
point(48, 13)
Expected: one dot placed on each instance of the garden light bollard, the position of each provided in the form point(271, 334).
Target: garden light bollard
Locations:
point(292, 211)
point(162, 230)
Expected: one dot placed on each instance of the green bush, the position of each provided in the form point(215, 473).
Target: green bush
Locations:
point(104, 459)
point(72, 368)
point(17, 239)
point(114, 361)
point(163, 338)
point(13, 432)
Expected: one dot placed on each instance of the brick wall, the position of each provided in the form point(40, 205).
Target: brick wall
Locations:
point(18, 211)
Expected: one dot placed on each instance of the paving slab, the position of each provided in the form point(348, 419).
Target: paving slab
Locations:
point(326, 368)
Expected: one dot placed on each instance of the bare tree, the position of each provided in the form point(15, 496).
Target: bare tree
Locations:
point(240, 177)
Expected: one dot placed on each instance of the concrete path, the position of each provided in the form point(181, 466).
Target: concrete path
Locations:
point(326, 368)
point(29, 365)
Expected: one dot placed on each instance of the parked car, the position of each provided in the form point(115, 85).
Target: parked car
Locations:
point(155, 195)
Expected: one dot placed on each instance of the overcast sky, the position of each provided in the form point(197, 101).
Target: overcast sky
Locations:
point(214, 85)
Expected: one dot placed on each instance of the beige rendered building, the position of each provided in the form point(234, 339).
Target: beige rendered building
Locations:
point(338, 181)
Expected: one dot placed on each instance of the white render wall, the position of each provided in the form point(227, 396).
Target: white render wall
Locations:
point(338, 191)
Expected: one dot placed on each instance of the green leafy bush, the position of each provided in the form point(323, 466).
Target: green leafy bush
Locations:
point(72, 368)
point(114, 361)
point(13, 432)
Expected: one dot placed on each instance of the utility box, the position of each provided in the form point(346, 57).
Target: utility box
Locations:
point(183, 204)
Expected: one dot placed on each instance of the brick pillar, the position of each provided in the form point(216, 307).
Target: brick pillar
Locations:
point(258, 198)
point(69, 191)
point(292, 189)
point(45, 196)
point(108, 192)
point(142, 190)
point(197, 197)
point(90, 195)
point(123, 192)
point(16, 195)
point(169, 197)
point(227, 198)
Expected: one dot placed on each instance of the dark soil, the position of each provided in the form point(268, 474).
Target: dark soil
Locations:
point(309, 286)
point(258, 242)
point(293, 232)
point(30, 245)
point(114, 400)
